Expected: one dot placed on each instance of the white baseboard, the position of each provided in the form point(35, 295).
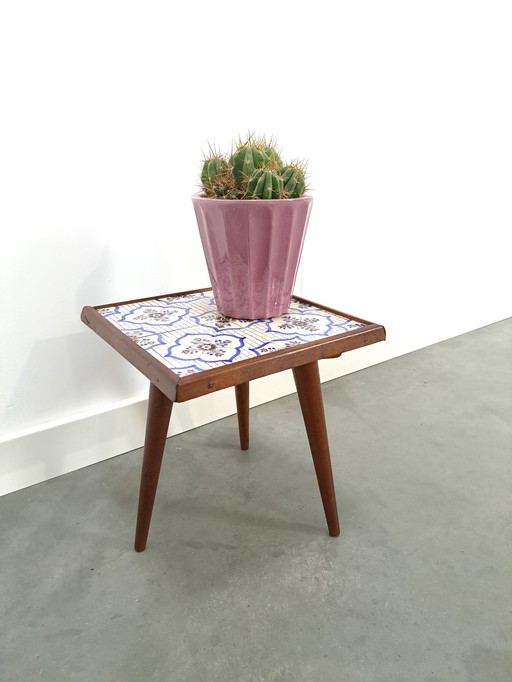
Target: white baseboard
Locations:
point(62, 446)
point(38, 454)
point(59, 447)
point(47, 451)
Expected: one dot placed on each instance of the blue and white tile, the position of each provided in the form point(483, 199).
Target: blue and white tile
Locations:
point(344, 324)
point(218, 322)
point(109, 311)
point(300, 307)
point(150, 317)
point(187, 299)
point(210, 348)
point(145, 340)
point(194, 303)
point(305, 324)
point(179, 367)
point(189, 335)
point(273, 345)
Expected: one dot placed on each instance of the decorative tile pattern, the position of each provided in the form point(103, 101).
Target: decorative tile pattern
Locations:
point(188, 334)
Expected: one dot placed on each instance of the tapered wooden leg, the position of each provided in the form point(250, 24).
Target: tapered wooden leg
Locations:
point(157, 424)
point(242, 406)
point(307, 380)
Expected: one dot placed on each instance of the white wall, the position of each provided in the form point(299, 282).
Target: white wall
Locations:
point(403, 109)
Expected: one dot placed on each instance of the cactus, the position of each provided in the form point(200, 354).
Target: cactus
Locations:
point(265, 184)
point(245, 160)
point(273, 157)
point(293, 180)
point(223, 187)
point(217, 179)
point(254, 171)
point(212, 169)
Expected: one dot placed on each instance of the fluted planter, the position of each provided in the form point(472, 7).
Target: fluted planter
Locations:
point(252, 250)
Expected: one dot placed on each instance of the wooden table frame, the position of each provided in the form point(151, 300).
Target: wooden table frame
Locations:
point(166, 388)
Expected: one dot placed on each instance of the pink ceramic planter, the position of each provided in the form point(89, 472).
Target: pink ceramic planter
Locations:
point(252, 250)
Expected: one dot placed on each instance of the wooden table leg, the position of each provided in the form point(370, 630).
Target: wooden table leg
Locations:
point(307, 380)
point(242, 406)
point(157, 424)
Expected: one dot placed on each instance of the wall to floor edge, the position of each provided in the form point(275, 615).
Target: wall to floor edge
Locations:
point(51, 450)
point(39, 454)
point(54, 449)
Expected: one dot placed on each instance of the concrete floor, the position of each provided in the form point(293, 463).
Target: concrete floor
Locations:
point(240, 581)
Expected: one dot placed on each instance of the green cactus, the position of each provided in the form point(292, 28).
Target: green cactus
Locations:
point(265, 184)
point(293, 181)
point(254, 171)
point(213, 168)
point(217, 179)
point(245, 160)
point(273, 157)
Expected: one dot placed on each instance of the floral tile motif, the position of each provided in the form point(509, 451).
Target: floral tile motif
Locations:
point(207, 347)
point(185, 298)
point(341, 325)
point(136, 333)
point(305, 324)
point(219, 322)
point(300, 307)
point(152, 317)
point(145, 340)
point(277, 344)
point(108, 312)
point(188, 334)
point(188, 369)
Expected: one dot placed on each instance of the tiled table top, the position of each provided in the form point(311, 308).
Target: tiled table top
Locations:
point(187, 333)
point(178, 339)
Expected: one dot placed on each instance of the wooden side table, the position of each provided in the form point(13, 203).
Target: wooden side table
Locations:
point(186, 348)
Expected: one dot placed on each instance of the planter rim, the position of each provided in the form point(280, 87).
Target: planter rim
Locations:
point(200, 197)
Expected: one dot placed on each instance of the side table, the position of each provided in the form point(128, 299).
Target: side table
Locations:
point(186, 348)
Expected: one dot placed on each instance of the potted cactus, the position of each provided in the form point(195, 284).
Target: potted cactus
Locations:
point(252, 216)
